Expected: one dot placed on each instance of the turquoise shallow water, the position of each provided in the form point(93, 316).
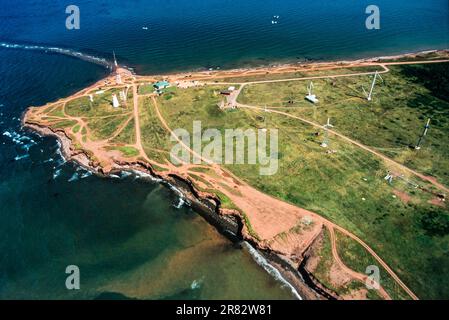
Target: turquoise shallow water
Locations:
point(126, 235)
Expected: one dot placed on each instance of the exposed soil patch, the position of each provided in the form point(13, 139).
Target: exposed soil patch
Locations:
point(405, 197)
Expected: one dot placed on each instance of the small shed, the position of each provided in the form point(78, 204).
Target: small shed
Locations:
point(226, 92)
point(161, 85)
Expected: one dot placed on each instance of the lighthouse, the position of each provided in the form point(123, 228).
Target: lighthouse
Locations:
point(115, 102)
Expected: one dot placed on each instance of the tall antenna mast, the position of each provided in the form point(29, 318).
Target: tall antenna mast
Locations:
point(265, 120)
point(326, 127)
point(370, 95)
point(115, 60)
point(421, 138)
point(310, 88)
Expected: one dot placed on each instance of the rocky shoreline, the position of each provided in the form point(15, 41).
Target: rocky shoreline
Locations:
point(229, 223)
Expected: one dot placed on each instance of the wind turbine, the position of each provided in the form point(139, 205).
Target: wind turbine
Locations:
point(370, 95)
point(423, 135)
point(326, 127)
point(311, 97)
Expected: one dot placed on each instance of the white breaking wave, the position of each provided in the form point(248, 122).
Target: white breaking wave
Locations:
point(58, 152)
point(196, 284)
point(57, 173)
point(139, 174)
point(17, 158)
point(125, 174)
point(74, 177)
point(86, 174)
point(17, 138)
point(270, 269)
point(180, 203)
point(182, 199)
point(23, 141)
point(67, 52)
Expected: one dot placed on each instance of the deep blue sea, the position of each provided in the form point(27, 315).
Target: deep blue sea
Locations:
point(129, 236)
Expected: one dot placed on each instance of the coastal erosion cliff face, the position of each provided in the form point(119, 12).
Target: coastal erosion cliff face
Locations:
point(285, 234)
point(229, 222)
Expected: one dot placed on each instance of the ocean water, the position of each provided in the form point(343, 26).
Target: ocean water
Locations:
point(227, 33)
point(128, 235)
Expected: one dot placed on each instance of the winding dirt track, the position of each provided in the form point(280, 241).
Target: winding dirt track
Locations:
point(330, 225)
point(271, 203)
point(276, 205)
point(356, 143)
point(359, 276)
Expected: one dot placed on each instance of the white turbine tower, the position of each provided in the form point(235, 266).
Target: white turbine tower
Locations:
point(115, 102)
point(311, 97)
point(326, 127)
point(369, 96)
point(423, 135)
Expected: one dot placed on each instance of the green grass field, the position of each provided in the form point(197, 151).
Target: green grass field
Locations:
point(391, 123)
point(127, 151)
point(347, 187)
point(155, 139)
point(101, 106)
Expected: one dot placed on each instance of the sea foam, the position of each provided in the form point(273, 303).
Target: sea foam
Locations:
point(68, 52)
point(270, 269)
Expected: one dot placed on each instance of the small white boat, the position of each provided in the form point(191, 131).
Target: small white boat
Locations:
point(145, 28)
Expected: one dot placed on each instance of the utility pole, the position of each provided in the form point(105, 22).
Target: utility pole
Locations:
point(370, 95)
point(326, 127)
point(423, 135)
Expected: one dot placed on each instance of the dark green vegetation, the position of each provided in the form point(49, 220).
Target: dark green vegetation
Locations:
point(391, 123)
point(435, 222)
point(348, 186)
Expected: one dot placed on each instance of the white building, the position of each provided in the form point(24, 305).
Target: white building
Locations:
point(115, 102)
